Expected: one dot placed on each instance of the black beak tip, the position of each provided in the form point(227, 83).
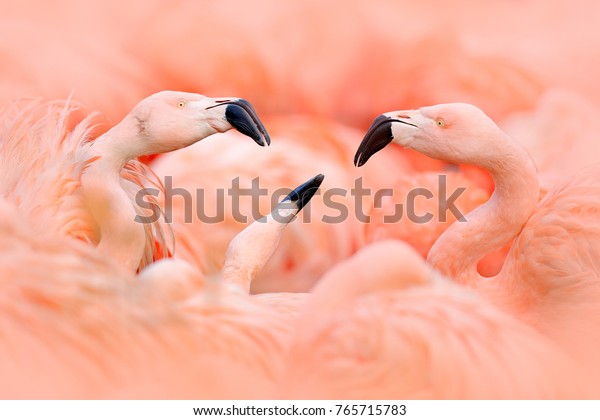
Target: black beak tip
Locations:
point(305, 192)
point(267, 141)
point(360, 160)
point(378, 136)
point(241, 115)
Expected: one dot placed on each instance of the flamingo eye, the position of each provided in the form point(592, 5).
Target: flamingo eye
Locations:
point(181, 104)
point(440, 122)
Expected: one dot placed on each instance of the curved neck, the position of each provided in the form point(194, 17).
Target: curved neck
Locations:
point(122, 143)
point(252, 248)
point(121, 237)
point(492, 225)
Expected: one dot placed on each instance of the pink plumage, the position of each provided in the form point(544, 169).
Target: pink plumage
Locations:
point(318, 73)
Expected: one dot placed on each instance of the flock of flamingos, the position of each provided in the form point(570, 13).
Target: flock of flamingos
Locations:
point(502, 304)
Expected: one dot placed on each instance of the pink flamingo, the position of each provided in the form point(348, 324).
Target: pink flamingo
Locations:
point(88, 189)
point(247, 254)
point(384, 325)
point(252, 248)
point(550, 277)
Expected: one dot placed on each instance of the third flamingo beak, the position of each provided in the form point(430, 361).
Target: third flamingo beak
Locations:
point(302, 194)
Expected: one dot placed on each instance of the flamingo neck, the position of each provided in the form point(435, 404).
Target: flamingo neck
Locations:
point(492, 225)
point(121, 237)
point(252, 248)
point(122, 143)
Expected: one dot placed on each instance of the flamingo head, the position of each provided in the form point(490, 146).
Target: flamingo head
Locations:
point(169, 120)
point(457, 133)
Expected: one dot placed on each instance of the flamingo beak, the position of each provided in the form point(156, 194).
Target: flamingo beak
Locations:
point(378, 136)
point(241, 115)
point(301, 195)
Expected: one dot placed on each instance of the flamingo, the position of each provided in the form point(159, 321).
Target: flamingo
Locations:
point(89, 189)
point(247, 254)
point(250, 250)
point(384, 325)
point(550, 277)
point(71, 331)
